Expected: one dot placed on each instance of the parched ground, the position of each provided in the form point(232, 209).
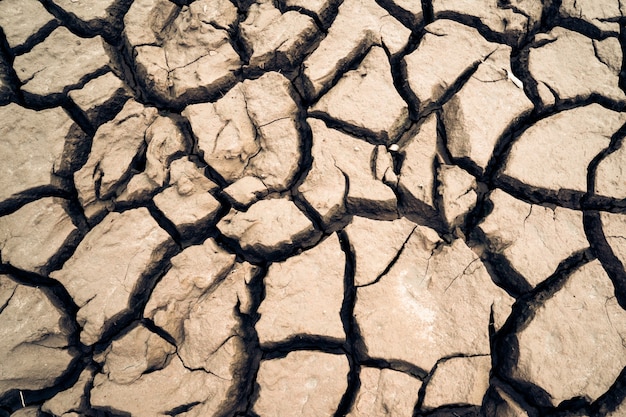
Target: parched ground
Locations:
point(312, 208)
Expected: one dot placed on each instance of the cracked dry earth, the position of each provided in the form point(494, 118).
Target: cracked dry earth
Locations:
point(312, 208)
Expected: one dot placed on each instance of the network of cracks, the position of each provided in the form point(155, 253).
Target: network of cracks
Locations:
point(290, 207)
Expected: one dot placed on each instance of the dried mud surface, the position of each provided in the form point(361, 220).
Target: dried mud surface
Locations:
point(312, 208)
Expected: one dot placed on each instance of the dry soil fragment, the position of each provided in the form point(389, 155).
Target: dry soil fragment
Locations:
point(109, 266)
point(511, 19)
point(347, 39)
point(324, 10)
point(462, 380)
point(458, 194)
point(306, 384)
point(164, 141)
point(610, 177)
point(21, 20)
point(430, 74)
point(375, 244)
point(417, 176)
point(158, 384)
point(61, 61)
point(277, 40)
point(436, 298)
point(614, 227)
point(325, 185)
point(554, 152)
point(195, 271)
point(384, 392)
point(352, 158)
point(212, 332)
point(489, 102)
point(72, 401)
point(116, 145)
point(251, 131)
point(506, 406)
point(182, 54)
point(34, 235)
point(187, 203)
point(245, 191)
point(269, 229)
point(36, 141)
point(94, 16)
point(304, 295)
point(365, 100)
point(34, 338)
point(567, 64)
point(101, 98)
point(602, 14)
point(535, 239)
point(582, 331)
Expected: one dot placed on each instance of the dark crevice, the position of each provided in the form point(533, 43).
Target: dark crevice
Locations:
point(505, 342)
point(406, 17)
point(353, 340)
point(512, 38)
point(276, 350)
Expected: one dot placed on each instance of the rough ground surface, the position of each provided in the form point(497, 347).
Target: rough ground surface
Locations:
point(263, 208)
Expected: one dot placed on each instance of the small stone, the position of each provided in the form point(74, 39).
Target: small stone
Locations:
point(315, 382)
point(554, 152)
point(110, 266)
point(304, 296)
point(116, 145)
point(33, 338)
point(417, 173)
point(324, 187)
point(569, 66)
point(269, 229)
point(512, 20)
point(60, 62)
point(22, 20)
point(473, 132)
point(101, 98)
point(533, 238)
point(365, 100)
point(71, 399)
point(245, 191)
point(194, 271)
point(581, 329)
point(462, 380)
point(277, 40)
point(187, 203)
point(436, 296)
point(458, 194)
point(35, 236)
point(429, 76)
point(375, 245)
point(384, 392)
point(36, 141)
point(348, 39)
point(603, 16)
